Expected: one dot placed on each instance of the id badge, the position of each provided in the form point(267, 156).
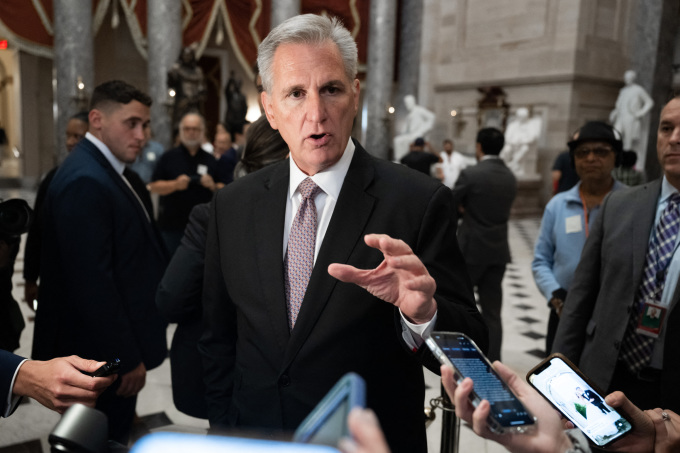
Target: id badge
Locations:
point(651, 319)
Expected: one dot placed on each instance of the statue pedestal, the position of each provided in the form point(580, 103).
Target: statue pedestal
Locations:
point(527, 202)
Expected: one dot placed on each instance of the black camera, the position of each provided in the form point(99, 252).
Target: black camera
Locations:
point(15, 218)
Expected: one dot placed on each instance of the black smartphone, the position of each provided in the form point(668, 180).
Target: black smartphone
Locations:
point(508, 414)
point(107, 369)
point(561, 383)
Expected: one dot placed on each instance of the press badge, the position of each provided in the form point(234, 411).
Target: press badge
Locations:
point(651, 319)
point(573, 224)
point(202, 169)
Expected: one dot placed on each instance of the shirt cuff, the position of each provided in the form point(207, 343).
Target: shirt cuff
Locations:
point(12, 399)
point(414, 334)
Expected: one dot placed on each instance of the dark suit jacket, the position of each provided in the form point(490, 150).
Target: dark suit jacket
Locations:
point(179, 300)
point(602, 294)
point(258, 373)
point(8, 366)
point(486, 191)
point(101, 264)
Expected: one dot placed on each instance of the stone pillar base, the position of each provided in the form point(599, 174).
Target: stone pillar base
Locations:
point(527, 203)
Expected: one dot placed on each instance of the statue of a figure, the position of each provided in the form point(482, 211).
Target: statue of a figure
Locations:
point(186, 78)
point(237, 107)
point(632, 105)
point(520, 152)
point(419, 122)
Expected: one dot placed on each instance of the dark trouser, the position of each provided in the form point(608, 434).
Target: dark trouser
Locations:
point(643, 389)
point(553, 322)
point(487, 279)
point(119, 411)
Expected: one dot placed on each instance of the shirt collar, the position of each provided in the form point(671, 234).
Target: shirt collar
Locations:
point(329, 180)
point(489, 156)
point(113, 160)
point(666, 190)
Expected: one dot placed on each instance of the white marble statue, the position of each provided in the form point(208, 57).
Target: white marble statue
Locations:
point(419, 122)
point(632, 105)
point(520, 152)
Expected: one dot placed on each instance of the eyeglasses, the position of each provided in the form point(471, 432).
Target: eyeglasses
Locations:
point(601, 151)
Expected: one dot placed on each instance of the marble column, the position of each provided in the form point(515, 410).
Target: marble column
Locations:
point(409, 56)
point(73, 59)
point(284, 9)
point(164, 34)
point(653, 48)
point(379, 76)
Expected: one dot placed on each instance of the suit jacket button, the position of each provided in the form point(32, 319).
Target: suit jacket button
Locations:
point(617, 344)
point(284, 381)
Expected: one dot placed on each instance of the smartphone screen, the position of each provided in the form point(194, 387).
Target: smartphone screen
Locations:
point(468, 361)
point(578, 401)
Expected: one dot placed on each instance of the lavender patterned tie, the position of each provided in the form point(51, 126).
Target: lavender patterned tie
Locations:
point(300, 253)
point(636, 350)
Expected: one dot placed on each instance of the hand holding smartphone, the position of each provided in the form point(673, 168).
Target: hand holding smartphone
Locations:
point(107, 369)
point(457, 350)
point(570, 392)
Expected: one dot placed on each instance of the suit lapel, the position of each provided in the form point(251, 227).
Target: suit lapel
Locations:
point(345, 231)
point(643, 210)
point(117, 179)
point(269, 214)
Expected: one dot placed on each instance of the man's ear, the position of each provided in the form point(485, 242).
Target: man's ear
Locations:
point(95, 118)
point(356, 87)
point(268, 110)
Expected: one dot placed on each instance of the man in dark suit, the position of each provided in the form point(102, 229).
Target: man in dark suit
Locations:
point(56, 384)
point(279, 330)
point(628, 267)
point(483, 194)
point(102, 256)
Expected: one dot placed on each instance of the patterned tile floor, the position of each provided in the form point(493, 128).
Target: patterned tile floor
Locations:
point(524, 315)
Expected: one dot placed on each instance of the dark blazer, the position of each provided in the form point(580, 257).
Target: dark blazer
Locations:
point(8, 365)
point(602, 294)
point(258, 373)
point(101, 263)
point(486, 191)
point(179, 300)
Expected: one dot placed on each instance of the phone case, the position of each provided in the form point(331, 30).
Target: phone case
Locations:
point(535, 371)
point(492, 423)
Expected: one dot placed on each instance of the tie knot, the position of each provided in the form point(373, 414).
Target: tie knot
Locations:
point(308, 189)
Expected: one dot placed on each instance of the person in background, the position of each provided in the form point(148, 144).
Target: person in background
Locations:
point(626, 172)
point(184, 177)
point(564, 177)
point(484, 194)
point(76, 128)
point(570, 215)
point(418, 158)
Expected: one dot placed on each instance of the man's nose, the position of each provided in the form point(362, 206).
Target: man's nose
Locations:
point(316, 108)
point(675, 136)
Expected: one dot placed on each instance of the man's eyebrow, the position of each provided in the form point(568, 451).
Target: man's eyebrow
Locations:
point(332, 83)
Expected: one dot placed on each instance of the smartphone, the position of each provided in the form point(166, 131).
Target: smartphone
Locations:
point(327, 423)
point(508, 414)
point(107, 369)
point(561, 383)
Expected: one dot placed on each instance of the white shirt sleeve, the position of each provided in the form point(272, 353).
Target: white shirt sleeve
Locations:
point(12, 399)
point(414, 334)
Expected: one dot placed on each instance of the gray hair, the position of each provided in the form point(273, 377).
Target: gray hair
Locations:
point(307, 29)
